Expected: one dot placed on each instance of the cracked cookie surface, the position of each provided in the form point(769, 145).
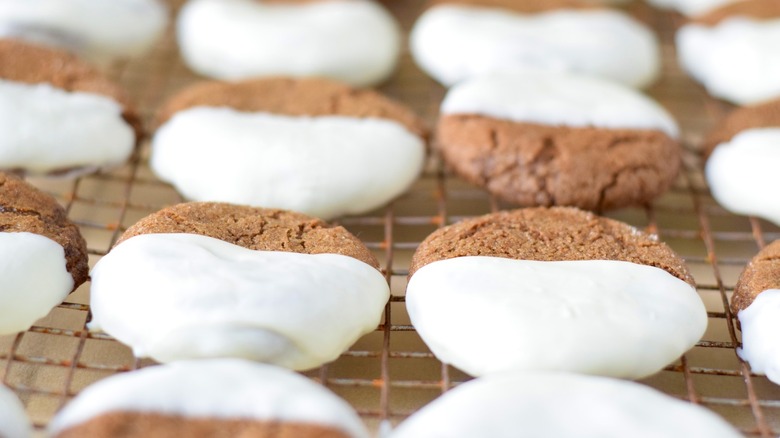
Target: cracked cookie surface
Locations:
point(762, 273)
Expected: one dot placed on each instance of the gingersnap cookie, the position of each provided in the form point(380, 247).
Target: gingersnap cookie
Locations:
point(226, 397)
point(732, 51)
point(742, 160)
point(691, 8)
point(58, 115)
point(552, 289)
point(558, 139)
point(455, 40)
point(354, 41)
point(756, 302)
point(560, 405)
point(310, 145)
point(13, 419)
point(100, 31)
point(43, 257)
point(235, 281)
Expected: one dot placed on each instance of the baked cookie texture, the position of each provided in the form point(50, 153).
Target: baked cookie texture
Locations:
point(762, 273)
point(764, 115)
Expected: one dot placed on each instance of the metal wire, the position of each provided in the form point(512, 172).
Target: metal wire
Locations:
point(390, 373)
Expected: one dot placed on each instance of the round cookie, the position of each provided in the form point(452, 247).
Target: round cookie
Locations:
point(691, 8)
point(237, 281)
point(756, 302)
point(558, 139)
point(552, 289)
point(558, 405)
point(58, 115)
point(456, 40)
point(13, 419)
point(42, 255)
point(355, 41)
point(742, 160)
point(224, 397)
point(310, 145)
point(101, 31)
point(732, 51)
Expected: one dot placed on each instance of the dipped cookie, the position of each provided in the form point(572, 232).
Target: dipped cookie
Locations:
point(59, 116)
point(558, 139)
point(743, 155)
point(13, 419)
point(691, 8)
point(310, 145)
point(43, 257)
point(226, 397)
point(236, 281)
point(455, 40)
point(354, 41)
point(732, 51)
point(552, 289)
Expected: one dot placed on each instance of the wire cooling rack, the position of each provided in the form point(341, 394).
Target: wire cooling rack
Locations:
point(390, 373)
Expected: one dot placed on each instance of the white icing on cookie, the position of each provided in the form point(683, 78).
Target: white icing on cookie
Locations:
point(559, 405)
point(691, 7)
point(355, 41)
point(47, 129)
point(33, 279)
point(215, 299)
point(100, 30)
point(454, 42)
point(558, 99)
point(760, 324)
point(13, 419)
point(742, 173)
point(596, 317)
point(322, 166)
point(224, 388)
point(736, 60)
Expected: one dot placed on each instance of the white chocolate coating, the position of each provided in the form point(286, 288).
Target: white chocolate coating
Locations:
point(215, 299)
point(13, 419)
point(322, 166)
point(553, 405)
point(224, 388)
point(454, 42)
point(46, 129)
point(33, 279)
point(742, 173)
point(558, 99)
point(760, 324)
point(100, 30)
point(690, 7)
point(355, 41)
point(736, 60)
point(595, 317)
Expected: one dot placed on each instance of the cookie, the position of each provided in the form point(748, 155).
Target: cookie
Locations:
point(354, 41)
point(236, 398)
point(559, 405)
point(558, 139)
point(13, 419)
point(756, 302)
point(458, 40)
point(552, 289)
point(82, 26)
point(742, 159)
point(42, 255)
point(732, 51)
point(237, 281)
point(691, 8)
point(310, 145)
point(58, 115)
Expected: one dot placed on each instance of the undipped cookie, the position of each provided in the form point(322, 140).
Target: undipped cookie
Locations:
point(207, 398)
point(236, 281)
point(552, 289)
point(13, 419)
point(58, 115)
point(355, 41)
point(455, 40)
point(756, 302)
point(42, 254)
point(309, 145)
point(733, 51)
point(558, 139)
point(743, 155)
